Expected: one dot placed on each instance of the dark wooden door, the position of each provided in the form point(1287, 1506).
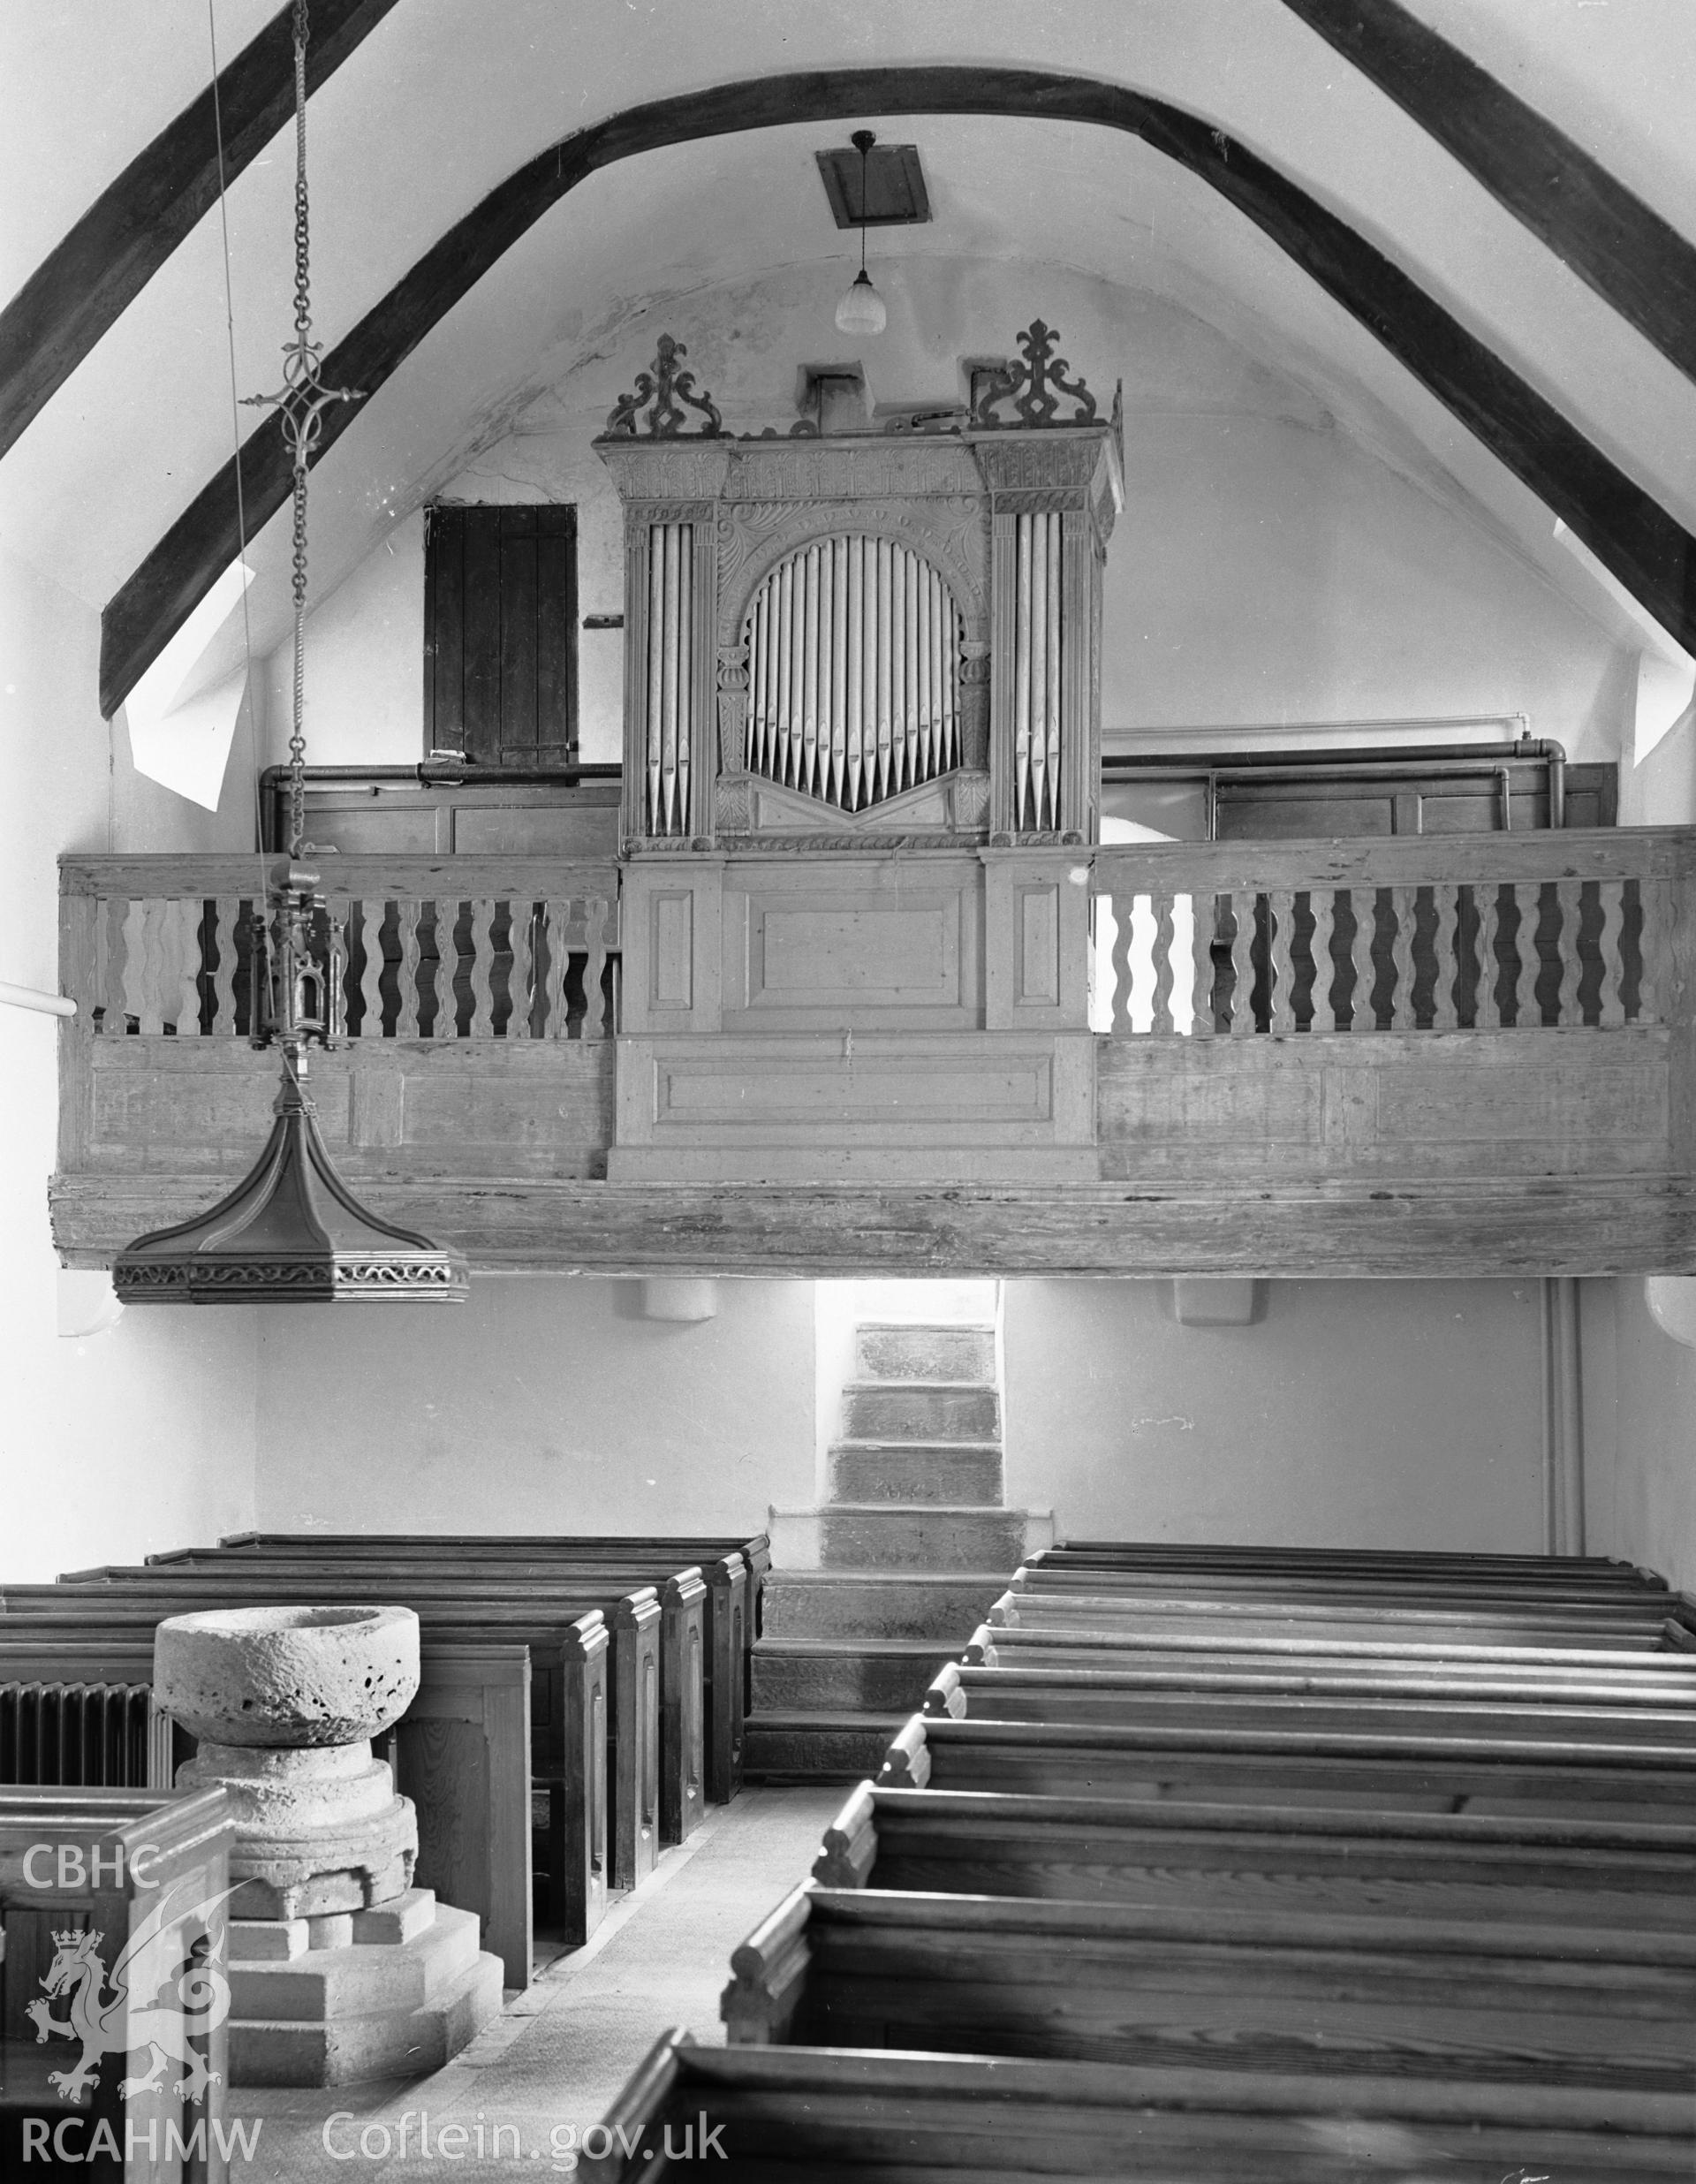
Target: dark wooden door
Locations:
point(500, 633)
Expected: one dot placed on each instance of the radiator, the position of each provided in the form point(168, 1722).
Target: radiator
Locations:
point(87, 1735)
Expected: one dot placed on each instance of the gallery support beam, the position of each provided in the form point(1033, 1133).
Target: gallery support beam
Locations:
point(114, 250)
point(1633, 259)
point(1638, 541)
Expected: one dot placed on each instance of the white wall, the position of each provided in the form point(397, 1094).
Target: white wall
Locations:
point(1653, 1502)
point(1269, 566)
point(546, 1403)
point(1353, 1414)
point(142, 1436)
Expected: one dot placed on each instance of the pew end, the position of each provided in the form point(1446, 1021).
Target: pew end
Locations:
point(850, 1846)
point(945, 1695)
point(906, 1764)
point(769, 1977)
point(634, 2115)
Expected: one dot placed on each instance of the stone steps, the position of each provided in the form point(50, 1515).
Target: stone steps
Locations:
point(921, 1535)
point(818, 1747)
point(920, 1410)
point(870, 1594)
point(874, 1605)
point(916, 1471)
point(898, 1350)
point(850, 1675)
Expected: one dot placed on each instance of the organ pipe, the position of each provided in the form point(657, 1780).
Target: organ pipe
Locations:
point(853, 672)
point(1036, 672)
point(670, 674)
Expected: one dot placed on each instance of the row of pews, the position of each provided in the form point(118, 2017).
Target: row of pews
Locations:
point(582, 1698)
point(1228, 1864)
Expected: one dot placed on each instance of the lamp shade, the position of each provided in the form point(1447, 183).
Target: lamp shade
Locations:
point(290, 1232)
point(861, 310)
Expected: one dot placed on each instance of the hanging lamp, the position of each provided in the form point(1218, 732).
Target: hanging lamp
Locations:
point(292, 1232)
point(862, 310)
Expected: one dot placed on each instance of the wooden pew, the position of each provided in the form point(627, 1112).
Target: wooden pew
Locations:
point(1106, 1623)
point(1098, 1695)
point(685, 1649)
point(1283, 1991)
point(734, 1568)
point(827, 2116)
point(182, 1845)
point(1200, 1555)
point(478, 1848)
point(1427, 1773)
point(497, 1608)
point(1089, 1850)
point(1199, 1618)
point(1624, 1679)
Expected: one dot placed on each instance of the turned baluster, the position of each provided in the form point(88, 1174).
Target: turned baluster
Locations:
point(1164, 1019)
point(1445, 949)
point(1363, 906)
point(1204, 914)
point(1280, 969)
point(1241, 962)
point(1570, 895)
point(1654, 943)
point(596, 911)
point(372, 917)
point(1123, 907)
point(408, 917)
point(146, 1000)
point(228, 915)
point(553, 927)
point(1612, 943)
point(1404, 906)
point(1494, 919)
point(1321, 901)
point(1527, 1014)
point(480, 934)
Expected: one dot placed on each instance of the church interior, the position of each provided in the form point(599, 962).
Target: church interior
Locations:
point(951, 750)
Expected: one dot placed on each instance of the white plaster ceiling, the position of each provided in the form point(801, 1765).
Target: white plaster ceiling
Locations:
point(444, 100)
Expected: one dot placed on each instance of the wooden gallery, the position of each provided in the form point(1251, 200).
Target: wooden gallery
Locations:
point(920, 788)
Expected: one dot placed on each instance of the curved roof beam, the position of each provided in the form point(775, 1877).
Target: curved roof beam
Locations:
point(85, 281)
point(1614, 242)
point(1650, 554)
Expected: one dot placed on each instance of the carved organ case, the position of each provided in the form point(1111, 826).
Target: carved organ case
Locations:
point(863, 634)
point(862, 678)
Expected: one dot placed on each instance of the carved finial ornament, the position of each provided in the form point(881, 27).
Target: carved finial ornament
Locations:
point(669, 395)
point(1035, 387)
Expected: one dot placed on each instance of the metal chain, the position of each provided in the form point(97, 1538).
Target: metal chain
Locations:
point(303, 351)
point(300, 403)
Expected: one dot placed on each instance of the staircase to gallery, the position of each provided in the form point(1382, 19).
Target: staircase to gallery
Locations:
point(869, 1594)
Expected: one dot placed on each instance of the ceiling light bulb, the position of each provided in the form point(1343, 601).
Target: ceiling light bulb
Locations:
point(861, 310)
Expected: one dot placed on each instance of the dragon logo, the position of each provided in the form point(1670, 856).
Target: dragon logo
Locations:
point(136, 2017)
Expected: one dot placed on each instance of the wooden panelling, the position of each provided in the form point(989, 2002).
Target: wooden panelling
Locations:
point(876, 1105)
point(1334, 1105)
point(1373, 1226)
point(866, 944)
point(513, 1108)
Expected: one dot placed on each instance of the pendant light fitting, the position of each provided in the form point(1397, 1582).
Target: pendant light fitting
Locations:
point(292, 1232)
point(862, 310)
